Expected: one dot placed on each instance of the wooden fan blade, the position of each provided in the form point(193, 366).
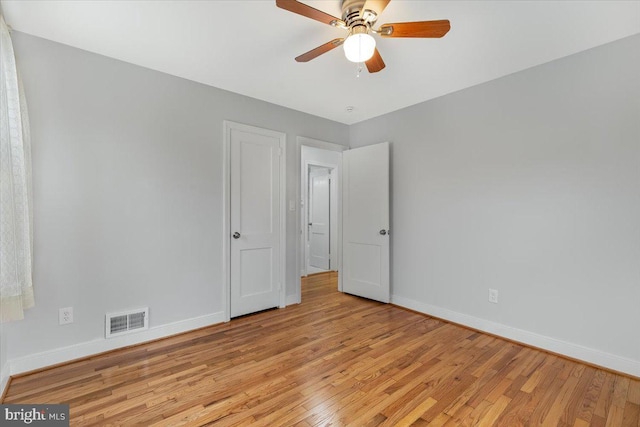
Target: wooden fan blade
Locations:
point(432, 29)
point(376, 5)
point(375, 63)
point(308, 11)
point(314, 53)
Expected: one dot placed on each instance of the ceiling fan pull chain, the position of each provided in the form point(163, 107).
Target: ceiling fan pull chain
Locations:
point(358, 69)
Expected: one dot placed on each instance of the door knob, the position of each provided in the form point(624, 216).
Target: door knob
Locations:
point(236, 235)
point(383, 232)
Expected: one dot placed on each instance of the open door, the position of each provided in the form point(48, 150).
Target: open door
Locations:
point(366, 222)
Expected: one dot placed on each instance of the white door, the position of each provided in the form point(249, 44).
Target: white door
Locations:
point(366, 222)
point(319, 219)
point(255, 219)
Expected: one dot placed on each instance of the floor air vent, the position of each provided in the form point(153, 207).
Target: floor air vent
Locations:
point(126, 322)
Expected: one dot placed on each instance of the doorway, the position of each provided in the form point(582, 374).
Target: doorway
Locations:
point(319, 246)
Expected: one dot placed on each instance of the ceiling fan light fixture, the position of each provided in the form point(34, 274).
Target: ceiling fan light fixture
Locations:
point(359, 47)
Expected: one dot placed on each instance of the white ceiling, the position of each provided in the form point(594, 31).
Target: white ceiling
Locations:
point(249, 47)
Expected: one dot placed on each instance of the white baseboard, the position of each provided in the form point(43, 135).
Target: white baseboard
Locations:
point(4, 377)
point(88, 348)
point(575, 351)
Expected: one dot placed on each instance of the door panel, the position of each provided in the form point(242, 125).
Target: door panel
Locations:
point(319, 221)
point(256, 190)
point(365, 215)
point(254, 263)
point(254, 221)
point(364, 260)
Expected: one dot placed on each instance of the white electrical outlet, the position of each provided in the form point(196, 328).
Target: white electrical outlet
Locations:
point(65, 315)
point(493, 296)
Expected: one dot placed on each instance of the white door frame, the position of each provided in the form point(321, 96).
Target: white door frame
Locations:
point(226, 227)
point(315, 143)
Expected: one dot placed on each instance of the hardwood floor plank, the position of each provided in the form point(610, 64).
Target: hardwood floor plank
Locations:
point(591, 395)
point(447, 392)
point(581, 423)
point(631, 416)
point(476, 416)
point(560, 402)
point(335, 360)
point(615, 416)
point(634, 392)
point(458, 416)
point(573, 409)
point(494, 412)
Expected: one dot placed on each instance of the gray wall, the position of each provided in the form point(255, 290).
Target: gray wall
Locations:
point(127, 172)
point(3, 357)
point(529, 184)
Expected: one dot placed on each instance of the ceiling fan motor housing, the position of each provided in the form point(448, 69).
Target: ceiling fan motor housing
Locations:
point(351, 14)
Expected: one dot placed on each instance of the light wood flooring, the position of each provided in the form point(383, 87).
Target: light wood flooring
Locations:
point(333, 360)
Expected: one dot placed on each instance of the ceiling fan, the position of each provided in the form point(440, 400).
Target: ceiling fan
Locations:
point(358, 18)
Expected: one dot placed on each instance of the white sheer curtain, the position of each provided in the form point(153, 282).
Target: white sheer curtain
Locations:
point(16, 238)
